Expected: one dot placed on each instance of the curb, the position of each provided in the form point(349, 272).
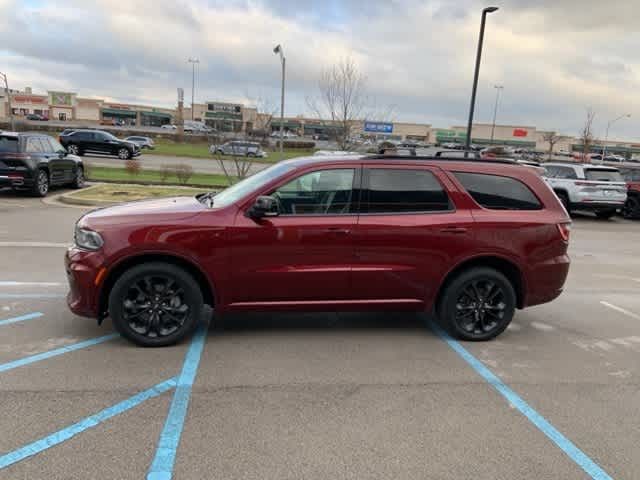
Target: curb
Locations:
point(157, 184)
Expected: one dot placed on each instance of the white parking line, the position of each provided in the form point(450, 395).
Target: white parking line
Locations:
point(31, 284)
point(542, 326)
point(620, 309)
point(35, 244)
point(621, 277)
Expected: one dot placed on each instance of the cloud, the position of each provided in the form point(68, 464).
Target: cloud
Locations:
point(554, 58)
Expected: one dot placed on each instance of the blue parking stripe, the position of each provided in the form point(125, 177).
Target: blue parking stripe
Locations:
point(567, 446)
point(21, 318)
point(72, 430)
point(163, 462)
point(53, 353)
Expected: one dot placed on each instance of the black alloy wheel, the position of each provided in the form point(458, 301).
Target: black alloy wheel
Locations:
point(41, 184)
point(631, 208)
point(78, 181)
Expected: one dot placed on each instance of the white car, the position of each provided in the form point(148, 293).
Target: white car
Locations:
point(168, 126)
point(596, 188)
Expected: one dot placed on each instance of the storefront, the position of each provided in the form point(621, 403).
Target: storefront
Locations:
point(154, 119)
point(118, 116)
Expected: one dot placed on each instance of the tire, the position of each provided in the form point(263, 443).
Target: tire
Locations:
point(124, 154)
point(564, 199)
point(605, 214)
point(41, 184)
point(631, 208)
point(140, 317)
point(251, 154)
point(78, 181)
point(73, 149)
point(463, 318)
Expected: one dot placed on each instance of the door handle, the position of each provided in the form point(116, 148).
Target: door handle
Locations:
point(338, 231)
point(454, 230)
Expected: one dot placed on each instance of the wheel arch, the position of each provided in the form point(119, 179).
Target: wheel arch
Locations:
point(505, 266)
point(206, 285)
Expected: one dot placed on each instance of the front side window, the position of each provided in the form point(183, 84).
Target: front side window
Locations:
point(404, 191)
point(33, 145)
point(498, 193)
point(324, 192)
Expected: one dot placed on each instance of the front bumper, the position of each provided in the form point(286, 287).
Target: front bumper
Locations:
point(82, 268)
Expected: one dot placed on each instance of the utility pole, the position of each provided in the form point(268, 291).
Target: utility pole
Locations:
point(6, 88)
point(498, 88)
point(278, 50)
point(193, 62)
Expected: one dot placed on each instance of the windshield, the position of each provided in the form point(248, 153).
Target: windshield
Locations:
point(603, 175)
point(9, 144)
point(248, 185)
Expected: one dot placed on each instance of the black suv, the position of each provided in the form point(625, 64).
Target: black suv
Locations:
point(34, 162)
point(79, 142)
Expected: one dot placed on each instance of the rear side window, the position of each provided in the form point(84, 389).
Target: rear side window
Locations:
point(601, 175)
point(498, 193)
point(554, 171)
point(9, 144)
point(404, 191)
point(82, 136)
point(34, 145)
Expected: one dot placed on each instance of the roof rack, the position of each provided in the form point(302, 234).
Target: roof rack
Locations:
point(387, 156)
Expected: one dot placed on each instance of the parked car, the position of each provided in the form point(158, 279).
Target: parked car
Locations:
point(239, 148)
point(196, 127)
point(596, 188)
point(37, 117)
point(318, 136)
point(79, 142)
point(470, 240)
point(631, 207)
point(36, 162)
point(169, 126)
point(142, 142)
point(287, 134)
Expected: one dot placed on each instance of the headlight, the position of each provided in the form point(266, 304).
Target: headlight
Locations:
point(88, 239)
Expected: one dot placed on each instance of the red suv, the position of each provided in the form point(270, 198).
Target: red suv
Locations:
point(469, 240)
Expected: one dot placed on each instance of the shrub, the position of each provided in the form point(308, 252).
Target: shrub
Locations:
point(297, 144)
point(132, 167)
point(165, 172)
point(184, 172)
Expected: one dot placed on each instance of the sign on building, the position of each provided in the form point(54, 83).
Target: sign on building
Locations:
point(520, 132)
point(60, 98)
point(378, 127)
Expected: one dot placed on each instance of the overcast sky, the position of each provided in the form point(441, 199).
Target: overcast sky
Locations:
point(554, 57)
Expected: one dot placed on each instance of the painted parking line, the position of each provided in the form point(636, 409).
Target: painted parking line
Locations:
point(30, 284)
point(12, 296)
point(162, 466)
point(620, 309)
point(71, 431)
point(21, 362)
point(572, 451)
point(21, 318)
point(35, 244)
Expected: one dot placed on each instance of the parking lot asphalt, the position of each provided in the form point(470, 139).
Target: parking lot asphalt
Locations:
point(346, 396)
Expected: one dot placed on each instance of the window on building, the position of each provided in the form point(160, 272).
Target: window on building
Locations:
point(404, 191)
point(498, 193)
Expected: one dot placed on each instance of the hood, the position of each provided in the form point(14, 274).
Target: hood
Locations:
point(144, 212)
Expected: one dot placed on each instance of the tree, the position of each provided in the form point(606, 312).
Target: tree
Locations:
point(551, 138)
point(341, 100)
point(586, 137)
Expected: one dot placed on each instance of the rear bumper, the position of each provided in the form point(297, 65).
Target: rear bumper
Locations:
point(546, 281)
point(82, 268)
point(599, 205)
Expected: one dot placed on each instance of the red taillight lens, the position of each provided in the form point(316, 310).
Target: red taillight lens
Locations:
point(565, 231)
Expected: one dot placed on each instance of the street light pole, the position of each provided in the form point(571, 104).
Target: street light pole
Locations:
point(606, 136)
point(498, 88)
point(475, 77)
point(6, 88)
point(278, 50)
point(193, 62)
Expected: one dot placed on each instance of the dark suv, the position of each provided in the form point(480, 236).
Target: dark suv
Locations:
point(35, 162)
point(79, 142)
point(471, 240)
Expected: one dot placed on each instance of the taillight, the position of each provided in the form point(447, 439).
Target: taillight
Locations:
point(565, 231)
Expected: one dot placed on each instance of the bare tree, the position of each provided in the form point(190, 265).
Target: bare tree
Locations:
point(551, 138)
point(586, 137)
point(341, 100)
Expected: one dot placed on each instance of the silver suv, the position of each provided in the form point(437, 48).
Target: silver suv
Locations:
point(239, 148)
point(596, 188)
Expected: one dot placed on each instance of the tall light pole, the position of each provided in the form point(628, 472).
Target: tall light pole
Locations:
point(606, 136)
point(499, 89)
point(475, 77)
point(278, 50)
point(193, 62)
point(6, 88)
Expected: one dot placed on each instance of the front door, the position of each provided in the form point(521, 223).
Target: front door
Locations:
point(306, 252)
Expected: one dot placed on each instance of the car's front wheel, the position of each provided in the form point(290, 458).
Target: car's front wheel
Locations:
point(124, 154)
point(478, 304)
point(155, 304)
point(78, 181)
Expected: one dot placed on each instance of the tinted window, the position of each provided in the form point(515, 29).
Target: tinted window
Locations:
point(326, 192)
point(33, 145)
point(498, 193)
point(602, 175)
point(562, 172)
point(82, 136)
point(9, 144)
point(398, 191)
point(631, 175)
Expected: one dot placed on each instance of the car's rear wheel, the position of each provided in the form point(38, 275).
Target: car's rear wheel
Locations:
point(251, 154)
point(124, 154)
point(631, 208)
point(155, 304)
point(40, 186)
point(564, 199)
point(78, 181)
point(605, 214)
point(478, 304)
point(73, 149)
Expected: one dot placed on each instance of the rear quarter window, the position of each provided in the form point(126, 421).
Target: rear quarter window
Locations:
point(9, 144)
point(496, 192)
point(597, 175)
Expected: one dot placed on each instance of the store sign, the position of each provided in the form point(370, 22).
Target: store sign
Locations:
point(28, 99)
point(519, 132)
point(60, 98)
point(224, 107)
point(378, 127)
point(118, 106)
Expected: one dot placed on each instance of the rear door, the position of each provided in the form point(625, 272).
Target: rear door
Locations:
point(409, 233)
point(36, 149)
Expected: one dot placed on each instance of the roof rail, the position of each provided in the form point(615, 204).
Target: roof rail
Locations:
point(387, 156)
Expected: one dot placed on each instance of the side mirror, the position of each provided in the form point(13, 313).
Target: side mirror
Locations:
point(264, 206)
point(62, 153)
